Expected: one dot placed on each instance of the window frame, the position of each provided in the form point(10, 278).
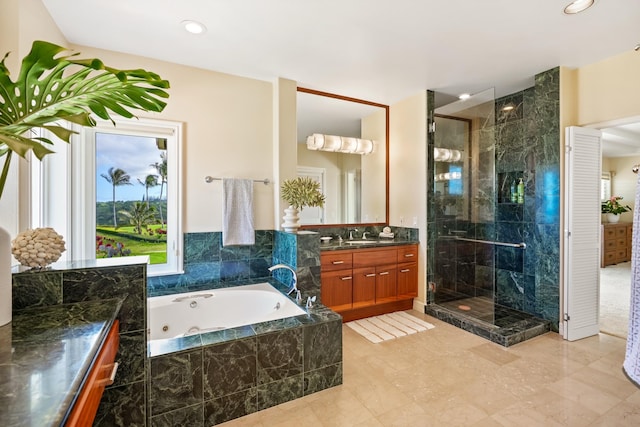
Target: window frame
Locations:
point(83, 187)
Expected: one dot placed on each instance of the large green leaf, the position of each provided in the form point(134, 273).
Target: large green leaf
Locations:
point(52, 86)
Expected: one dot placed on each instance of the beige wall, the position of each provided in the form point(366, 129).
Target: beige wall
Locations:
point(408, 173)
point(21, 22)
point(374, 168)
point(607, 90)
point(331, 163)
point(228, 133)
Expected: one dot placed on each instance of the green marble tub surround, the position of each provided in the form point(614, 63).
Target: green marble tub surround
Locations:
point(124, 402)
point(234, 372)
point(52, 349)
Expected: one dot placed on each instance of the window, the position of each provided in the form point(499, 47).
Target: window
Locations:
point(119, 188)
point(605, 186)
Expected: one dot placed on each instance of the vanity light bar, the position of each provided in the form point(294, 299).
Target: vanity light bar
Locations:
point(446, 155)
point(447, 176)
point(340, 144)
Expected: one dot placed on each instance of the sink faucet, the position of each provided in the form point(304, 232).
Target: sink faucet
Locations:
point(294, 286)
point(364, 235)
point(351, 233)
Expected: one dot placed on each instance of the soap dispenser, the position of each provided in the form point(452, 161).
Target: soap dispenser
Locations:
point(520, 191)
point(513, 193)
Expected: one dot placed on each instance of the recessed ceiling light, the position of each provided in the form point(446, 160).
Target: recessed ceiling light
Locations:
point(194, 27)
point(464, 96)
point(578, 6)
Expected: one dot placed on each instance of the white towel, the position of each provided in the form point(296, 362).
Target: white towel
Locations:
point(237, 212)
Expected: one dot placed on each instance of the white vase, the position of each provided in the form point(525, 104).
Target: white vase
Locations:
point(5, 277)
point(291, 220)
point(613, 218)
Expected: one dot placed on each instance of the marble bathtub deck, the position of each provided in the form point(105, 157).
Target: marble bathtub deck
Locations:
point(450, 377)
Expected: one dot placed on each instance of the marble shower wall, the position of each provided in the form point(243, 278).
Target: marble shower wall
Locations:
point(527, 146)
point(124, 402)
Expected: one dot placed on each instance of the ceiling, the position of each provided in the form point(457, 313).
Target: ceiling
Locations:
point(381, 51)
point(621, 141)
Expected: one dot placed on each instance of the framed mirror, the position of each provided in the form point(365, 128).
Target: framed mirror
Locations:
point(356, 185)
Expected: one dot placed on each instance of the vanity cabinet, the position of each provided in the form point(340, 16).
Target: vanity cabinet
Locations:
point(615, 243)
point(365, 282)
point(101, 375)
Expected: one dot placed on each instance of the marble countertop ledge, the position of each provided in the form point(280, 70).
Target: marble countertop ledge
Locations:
point(87, 263)
point(45, 354)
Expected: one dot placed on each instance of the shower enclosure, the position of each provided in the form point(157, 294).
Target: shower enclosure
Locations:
point(476, 227)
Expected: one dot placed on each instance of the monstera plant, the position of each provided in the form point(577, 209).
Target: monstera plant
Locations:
point(53, 88)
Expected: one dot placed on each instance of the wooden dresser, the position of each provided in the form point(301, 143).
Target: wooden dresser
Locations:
point(615, 243)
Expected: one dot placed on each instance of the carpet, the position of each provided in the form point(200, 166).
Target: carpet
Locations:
point(389, 326)
point(615, 297)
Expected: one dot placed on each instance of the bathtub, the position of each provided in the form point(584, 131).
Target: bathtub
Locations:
point(179, 315)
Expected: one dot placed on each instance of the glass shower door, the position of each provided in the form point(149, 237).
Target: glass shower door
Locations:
point(464, 206)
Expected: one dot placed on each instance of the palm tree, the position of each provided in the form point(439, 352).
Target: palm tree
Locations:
point(116, 177)
point(162, 172)
point(149, 182)
point(140, 215)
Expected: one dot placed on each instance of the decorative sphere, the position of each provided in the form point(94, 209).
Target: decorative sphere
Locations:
point(38, 247)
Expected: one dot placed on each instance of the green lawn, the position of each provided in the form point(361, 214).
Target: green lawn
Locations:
point(155, 246)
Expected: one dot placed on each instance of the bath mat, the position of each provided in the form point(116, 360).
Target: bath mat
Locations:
point(389, 326)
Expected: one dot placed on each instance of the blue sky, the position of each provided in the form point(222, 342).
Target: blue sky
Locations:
point(134, 155)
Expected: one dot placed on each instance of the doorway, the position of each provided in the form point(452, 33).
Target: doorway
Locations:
point(620, 152)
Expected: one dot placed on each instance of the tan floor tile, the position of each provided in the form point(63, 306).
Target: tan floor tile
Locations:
point(406, 416)
point(490, 395)
point(340, 409)
point(623, 415)
point(586, 395)
point(452, 411)
point(615, 385)
point(495, 353)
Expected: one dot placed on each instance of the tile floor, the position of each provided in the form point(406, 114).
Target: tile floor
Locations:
point(449, 377)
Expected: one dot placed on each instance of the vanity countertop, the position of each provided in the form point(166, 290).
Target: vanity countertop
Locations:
point(334, 245)
point(45, 354)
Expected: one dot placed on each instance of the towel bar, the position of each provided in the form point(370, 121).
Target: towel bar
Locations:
point(209, 179)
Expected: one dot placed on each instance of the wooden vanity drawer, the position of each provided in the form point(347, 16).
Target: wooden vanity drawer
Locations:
point(338, 260)
point(407, 253)
point(621, 231)
point(101, 375)
point(367, 258)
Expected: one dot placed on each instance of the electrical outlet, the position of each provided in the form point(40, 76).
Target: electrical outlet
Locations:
point(415, 221)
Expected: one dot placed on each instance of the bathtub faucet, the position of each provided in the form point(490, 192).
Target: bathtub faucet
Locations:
point(294, 286)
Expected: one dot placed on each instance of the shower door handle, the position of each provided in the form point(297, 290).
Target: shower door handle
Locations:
point(521, 245)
